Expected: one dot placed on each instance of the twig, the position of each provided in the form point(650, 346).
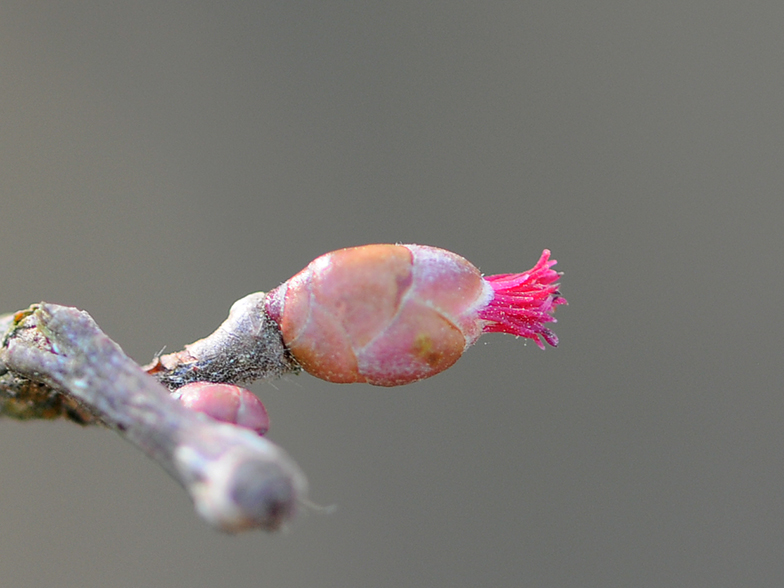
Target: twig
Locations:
point(236, 479)
point(246, 347)
point(383, 314)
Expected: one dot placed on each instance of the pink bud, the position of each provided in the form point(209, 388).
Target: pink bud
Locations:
point(227, 403)
point(394, 314)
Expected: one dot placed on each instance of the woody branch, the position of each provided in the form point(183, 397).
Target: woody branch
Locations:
point(237, 479)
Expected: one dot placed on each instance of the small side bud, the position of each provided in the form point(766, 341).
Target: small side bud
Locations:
point(227, 403)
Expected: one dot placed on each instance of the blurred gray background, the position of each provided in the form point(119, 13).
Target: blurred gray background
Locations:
point(161, 160)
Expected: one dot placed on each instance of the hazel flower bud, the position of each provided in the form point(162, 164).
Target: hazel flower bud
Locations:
point(393, 314)
point(227, 403)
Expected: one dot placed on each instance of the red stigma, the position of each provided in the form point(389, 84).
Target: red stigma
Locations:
point(523, 303)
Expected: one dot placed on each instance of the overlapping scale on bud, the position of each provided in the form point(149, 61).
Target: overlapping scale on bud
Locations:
point(394, 314)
